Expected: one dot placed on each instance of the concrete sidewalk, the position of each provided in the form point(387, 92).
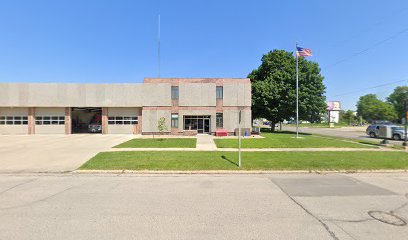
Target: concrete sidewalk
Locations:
point(204, 147)
point(205, 142)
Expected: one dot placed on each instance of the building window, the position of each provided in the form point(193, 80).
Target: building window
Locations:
point(219, 93)
point(200, 123)
point(121, 120)
point(174, 92)
point(13, 120)
point(49, 120)
point(219, 119)
point(174, 120)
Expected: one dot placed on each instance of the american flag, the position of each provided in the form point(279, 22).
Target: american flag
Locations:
point(304, 52)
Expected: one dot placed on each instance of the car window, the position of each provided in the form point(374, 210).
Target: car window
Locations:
point(397, 128)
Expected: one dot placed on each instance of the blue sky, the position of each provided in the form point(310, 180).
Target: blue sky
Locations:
point(116, 41)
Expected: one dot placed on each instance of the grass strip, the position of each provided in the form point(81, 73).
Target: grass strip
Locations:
point(159, 143)
point(251, 161)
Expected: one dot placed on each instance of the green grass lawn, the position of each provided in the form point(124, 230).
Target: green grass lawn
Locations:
point(159, 143)
point(287, 140)
point(251, 161)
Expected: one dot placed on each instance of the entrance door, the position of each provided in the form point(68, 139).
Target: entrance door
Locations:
point(200, 128)
point(206, 125)
point(199, 123)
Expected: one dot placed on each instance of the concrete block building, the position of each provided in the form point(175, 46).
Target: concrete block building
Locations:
point(189, 106)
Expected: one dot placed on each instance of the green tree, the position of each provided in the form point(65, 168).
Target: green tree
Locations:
point(371, 108)
point(348, 117)
point(274, 88)
point(397, 99)
point(161, 125)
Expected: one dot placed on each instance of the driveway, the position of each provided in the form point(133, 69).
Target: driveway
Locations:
point(52, 153)
point(276, 206)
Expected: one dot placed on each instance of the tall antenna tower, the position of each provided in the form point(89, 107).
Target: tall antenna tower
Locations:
point(158, 46)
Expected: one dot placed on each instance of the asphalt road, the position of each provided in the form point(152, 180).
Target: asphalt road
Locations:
point(345, 132)
point(281, 206)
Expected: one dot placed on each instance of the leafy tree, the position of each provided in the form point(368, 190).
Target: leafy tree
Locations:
point(348, 117)
point(161, 125)
point(371, 108)
point(274, 88)
point(397, 99)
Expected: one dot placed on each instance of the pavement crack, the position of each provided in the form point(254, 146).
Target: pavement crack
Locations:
point(348, 221)
point(348, 234)
point(326, 227)
point(39, 200)
point(401, 206)
point(18, 185)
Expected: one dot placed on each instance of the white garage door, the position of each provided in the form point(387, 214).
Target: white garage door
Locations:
point(122, 120)
point(13, 120)
point(49, 120)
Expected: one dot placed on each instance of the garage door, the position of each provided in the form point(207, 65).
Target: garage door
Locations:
point(13, 120)
point(49, 121)
point(122, 120)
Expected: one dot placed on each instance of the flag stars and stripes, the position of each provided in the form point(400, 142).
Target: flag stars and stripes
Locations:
point(303, 52)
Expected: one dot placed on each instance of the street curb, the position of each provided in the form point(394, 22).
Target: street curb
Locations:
point(240, 172)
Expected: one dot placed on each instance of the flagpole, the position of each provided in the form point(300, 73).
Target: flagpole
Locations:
point(297, 93)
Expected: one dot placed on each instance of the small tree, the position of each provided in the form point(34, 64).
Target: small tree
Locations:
point(161, 125)
point(348, 117)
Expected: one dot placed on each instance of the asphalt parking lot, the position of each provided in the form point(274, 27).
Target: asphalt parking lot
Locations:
point(263, 206)
point(52, 153)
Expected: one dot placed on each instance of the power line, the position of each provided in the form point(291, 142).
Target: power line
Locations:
point(369, 48)
point(365, 89)
point(370, 28)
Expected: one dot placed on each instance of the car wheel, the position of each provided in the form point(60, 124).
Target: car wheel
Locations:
point(396, 137)
point(372, 135)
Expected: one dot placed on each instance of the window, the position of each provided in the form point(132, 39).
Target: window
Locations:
point(174, 92)
point(199, 123)
point(120, 120)
point(219, 93)
point(174, 120)
point(219, 119)
point(49, 120)
point(13, 120)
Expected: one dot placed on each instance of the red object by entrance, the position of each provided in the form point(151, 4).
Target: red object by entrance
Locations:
point(221, 132)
